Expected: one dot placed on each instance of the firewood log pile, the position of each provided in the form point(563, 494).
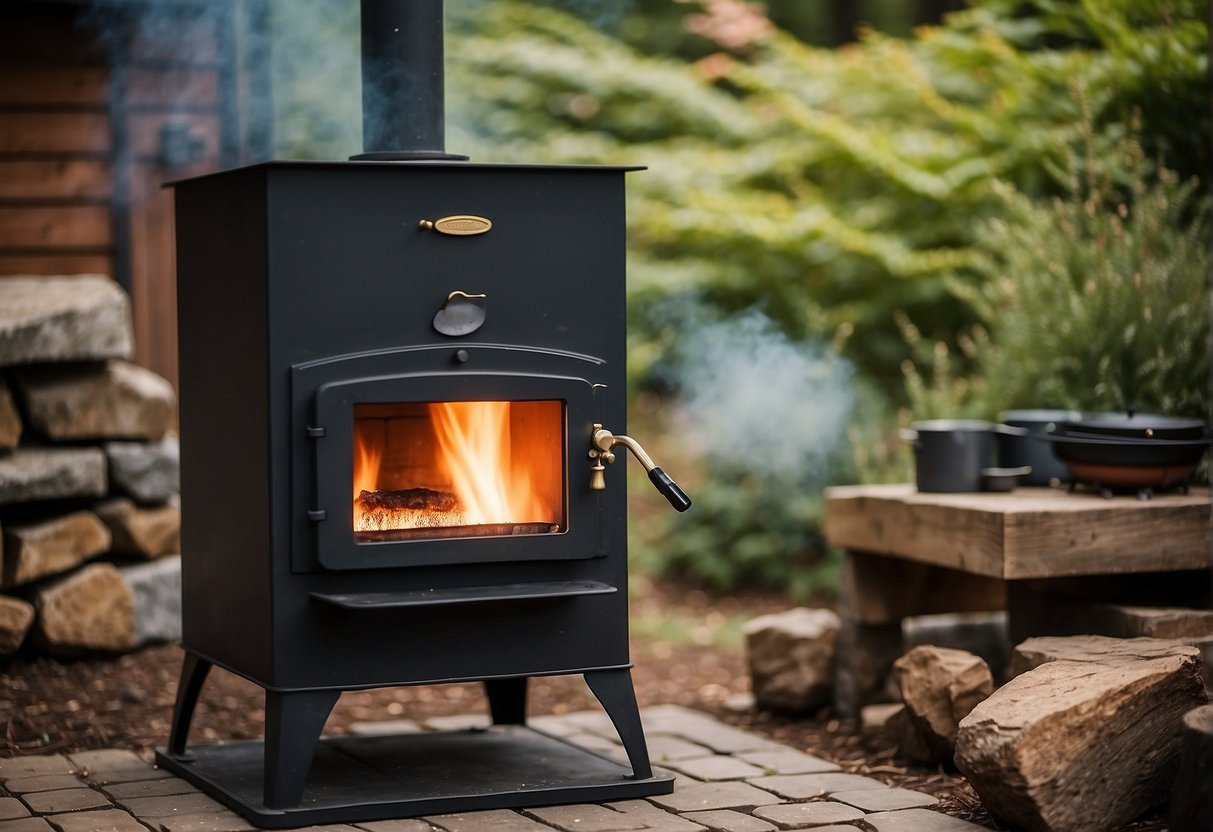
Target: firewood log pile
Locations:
point(89, 512)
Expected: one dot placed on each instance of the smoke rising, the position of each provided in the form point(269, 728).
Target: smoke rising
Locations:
point(756, 401)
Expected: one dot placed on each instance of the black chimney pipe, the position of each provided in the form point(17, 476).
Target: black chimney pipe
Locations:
point(402, 81)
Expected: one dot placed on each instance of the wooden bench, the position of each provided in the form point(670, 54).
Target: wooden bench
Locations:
point(909, 553)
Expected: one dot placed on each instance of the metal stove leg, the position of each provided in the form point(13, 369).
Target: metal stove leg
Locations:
point(293, 721)
point(507, 700)
point(614, 690)
point(193, 675)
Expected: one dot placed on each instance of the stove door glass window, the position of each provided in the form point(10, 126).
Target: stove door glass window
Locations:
point(425, 470)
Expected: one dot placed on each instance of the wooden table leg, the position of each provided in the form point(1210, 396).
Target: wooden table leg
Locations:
point(875, 593)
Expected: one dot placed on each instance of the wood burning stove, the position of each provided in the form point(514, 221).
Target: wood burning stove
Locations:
point(395, 377)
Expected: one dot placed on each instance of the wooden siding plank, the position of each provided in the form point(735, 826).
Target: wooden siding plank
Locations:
point(33, 179)
point(54, 132)
point(51, 227)
point(167, 87)
point(153, 272)
point(55, 264)
point(29, 36)
point(182, 39)
point(145, 134)
point(77, 85)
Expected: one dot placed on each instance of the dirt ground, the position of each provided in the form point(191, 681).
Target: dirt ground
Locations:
point(686, 647)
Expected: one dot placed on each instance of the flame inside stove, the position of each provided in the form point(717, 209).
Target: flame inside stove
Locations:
point(458, 464)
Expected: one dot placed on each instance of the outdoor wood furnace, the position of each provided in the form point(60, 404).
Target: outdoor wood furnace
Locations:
point(401, 379)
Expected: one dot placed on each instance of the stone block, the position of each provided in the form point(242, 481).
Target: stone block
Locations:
point(1192, 792)
point(726, 820)
point(787, 761)
point(865, 656)
point(65, 800)
point(703, 797)
point(29, 766)
point(389, 726)
point(1151, 622)
point(720, 767)
point(459, 722)
point(585, 817)
point(939, 687)
point(1034, 652)
point(655, 818)
point(879, 724)
point(983, 634)
point(28, 824)
point(156, 590)
point(809, 786)
point(169, 806)
point(63, 319)
point(143, 532)
point(106, 820)
point(42, 783)
point(51, 474)
point(102, 760)
point(811, 813)
point(723, 739)
point(11, 807)
point(150, 472)
point(114, 400)
point(493, 820)
point(10, 420)
point(885, 800)
point(663, 749)
point(1078, 745)
point(91, 609)
point(401, 825)
point(16, 618)
point(919, 820)
point(148, 788)
point(791, 658)
point(205, 822)
point(52, 546)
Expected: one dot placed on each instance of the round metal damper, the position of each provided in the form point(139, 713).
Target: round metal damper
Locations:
point(462, 314)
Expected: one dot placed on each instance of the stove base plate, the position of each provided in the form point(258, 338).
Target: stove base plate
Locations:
point(409, 775)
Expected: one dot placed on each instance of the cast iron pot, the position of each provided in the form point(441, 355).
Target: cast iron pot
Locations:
point(950, 455)
point(1128, 462)
point(1015, 451)
point(1136, 426)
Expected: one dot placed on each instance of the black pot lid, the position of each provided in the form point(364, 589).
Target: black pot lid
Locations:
point(1140, 425)
point(1039, 415)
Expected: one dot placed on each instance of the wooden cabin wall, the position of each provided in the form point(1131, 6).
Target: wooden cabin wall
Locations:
point(56, 173)
point(84, 151)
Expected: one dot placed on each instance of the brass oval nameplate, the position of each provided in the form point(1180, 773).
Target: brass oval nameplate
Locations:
point(460, 225)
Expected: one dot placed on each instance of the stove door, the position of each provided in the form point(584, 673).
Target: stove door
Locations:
point(466, 466)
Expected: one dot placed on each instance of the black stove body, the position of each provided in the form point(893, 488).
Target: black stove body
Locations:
point(335, 316)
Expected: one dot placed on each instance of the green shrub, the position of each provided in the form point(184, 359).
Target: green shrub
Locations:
point(1100, 300)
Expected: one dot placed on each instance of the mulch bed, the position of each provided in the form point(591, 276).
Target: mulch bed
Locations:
point(50, 706)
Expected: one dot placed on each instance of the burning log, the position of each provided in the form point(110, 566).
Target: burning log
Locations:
point(408, 499)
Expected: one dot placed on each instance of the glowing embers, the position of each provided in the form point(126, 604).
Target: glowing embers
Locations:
point(458, 469)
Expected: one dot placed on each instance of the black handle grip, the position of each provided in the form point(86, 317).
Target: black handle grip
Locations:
point(677, 497)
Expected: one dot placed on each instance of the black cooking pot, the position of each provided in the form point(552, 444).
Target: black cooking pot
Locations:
point(1136, 426)
point(1126, 451)
point(951, 455)
point(1015, 451)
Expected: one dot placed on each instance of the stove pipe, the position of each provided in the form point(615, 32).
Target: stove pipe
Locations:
point(402, 81)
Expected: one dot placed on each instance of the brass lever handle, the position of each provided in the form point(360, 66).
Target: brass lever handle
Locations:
point(603, 441)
